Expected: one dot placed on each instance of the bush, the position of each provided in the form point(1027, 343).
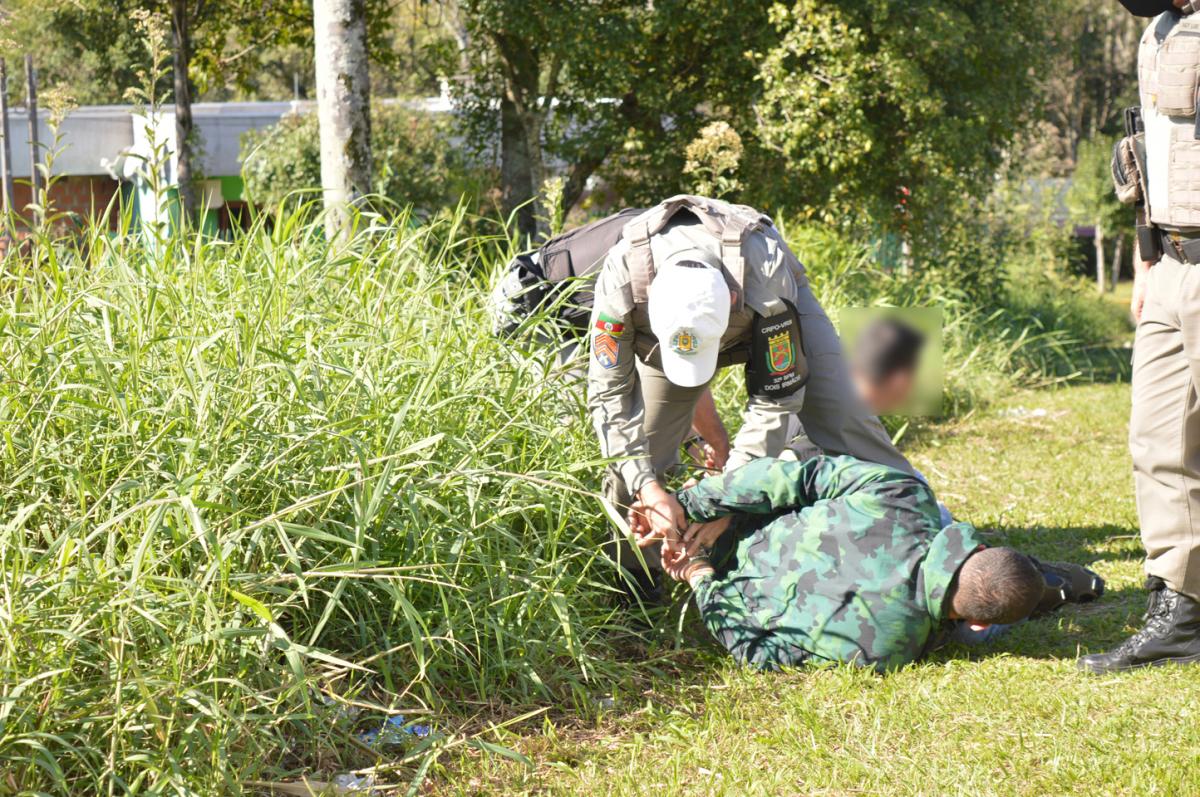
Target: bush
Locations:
point(415, 162)
point(1024, 324)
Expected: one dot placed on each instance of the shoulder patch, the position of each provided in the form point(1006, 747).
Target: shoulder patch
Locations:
point(606, 349)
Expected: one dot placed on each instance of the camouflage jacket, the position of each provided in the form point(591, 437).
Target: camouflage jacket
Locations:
point(832, 560)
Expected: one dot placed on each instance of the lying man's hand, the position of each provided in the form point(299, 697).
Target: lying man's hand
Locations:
point(687, 568)
point(702, 536)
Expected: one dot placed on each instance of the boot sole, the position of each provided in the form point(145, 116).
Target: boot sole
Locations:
point(1193, 659)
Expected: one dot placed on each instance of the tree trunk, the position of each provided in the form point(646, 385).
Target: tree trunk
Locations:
point(516, 173)
point(343, 107)
point(1116, 262)
point(35, 150)
point(6, 179)
point(184, 137)
point(1100, 261)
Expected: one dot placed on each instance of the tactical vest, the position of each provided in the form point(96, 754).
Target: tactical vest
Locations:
point(728, 223)
point(532, 283)
point(1169, 79)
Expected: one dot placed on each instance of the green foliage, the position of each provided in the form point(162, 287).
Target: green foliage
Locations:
point(414, 163)
point(239, 47)
point(617, 88)
point(1091, 198)
point(860, 99)
point(244, 483)
point(1035, 326)
point(713, 160)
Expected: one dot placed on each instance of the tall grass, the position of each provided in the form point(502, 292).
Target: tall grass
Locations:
point(246, 485)
point(256, 494)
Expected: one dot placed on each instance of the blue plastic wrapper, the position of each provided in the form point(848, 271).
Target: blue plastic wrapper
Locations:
point(394, 731)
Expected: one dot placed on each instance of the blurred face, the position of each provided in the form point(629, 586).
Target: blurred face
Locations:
point(887, 395)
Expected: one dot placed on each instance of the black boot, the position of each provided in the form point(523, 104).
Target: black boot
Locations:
point(1171, 635)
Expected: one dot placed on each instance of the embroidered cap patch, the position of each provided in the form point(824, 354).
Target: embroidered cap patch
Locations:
point(684, 342)
point(606, 349)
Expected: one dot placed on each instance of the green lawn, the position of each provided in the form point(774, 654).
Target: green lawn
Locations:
point(1045, 471)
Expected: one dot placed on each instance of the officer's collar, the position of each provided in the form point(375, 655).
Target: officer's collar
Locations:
point(949, 550)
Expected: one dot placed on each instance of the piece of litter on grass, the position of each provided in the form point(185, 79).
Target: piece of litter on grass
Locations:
point(394, 731)
point(350, 782)
point(1024, 412)
point(606, 704)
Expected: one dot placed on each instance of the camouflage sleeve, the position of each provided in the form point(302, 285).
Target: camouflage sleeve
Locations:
point(613, 399)
point(724, 612)
point(766, 486)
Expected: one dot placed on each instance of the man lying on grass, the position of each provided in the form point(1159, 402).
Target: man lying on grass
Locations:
point(838, 560)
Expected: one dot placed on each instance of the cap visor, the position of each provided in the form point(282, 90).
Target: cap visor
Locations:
point(692, 371)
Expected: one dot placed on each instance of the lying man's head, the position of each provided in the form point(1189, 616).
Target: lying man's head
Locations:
point(885, 361)
point(996, 586)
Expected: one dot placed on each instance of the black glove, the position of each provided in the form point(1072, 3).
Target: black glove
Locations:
point(1147, 8)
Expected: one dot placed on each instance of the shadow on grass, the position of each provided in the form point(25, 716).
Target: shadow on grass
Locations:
point(1085, 545)
point(1066, 634)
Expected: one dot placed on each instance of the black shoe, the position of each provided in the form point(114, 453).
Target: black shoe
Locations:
point(1171, 635)
point(1066, 583)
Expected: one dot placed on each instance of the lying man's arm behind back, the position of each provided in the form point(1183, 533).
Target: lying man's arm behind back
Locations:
point(766, 486)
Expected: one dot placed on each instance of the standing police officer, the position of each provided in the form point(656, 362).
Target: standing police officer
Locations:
point(696, 284)
point(1157, 167)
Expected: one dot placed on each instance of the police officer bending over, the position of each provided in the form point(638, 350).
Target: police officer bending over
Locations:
point(694, 285)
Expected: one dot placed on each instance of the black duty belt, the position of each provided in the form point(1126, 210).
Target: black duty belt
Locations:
point(1185, 248)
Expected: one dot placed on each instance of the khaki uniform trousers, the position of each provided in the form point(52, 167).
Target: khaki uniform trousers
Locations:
point(1164, 426)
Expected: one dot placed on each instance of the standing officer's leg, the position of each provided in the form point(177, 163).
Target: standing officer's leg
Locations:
point(834, 418)
point(1164, 440)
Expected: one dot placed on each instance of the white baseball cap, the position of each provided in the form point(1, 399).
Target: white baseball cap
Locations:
point(689, 312)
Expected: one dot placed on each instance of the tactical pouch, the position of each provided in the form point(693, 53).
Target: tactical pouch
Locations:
point(1128, 169)
point(778, 367)
point(518, 295)
point(1178, 75)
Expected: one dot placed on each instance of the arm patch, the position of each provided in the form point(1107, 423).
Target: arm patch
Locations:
point(777, 367)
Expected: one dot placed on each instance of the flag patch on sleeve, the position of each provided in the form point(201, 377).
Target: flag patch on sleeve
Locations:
point(610, 325)
point(606, 350)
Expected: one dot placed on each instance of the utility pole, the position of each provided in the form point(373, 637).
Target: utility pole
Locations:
point(343, 107)
point(6, 178)
point(35, 175)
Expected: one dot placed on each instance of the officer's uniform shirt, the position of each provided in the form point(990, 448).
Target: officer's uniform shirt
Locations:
point(771, 274)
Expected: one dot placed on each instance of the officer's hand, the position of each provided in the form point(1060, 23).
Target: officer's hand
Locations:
point(1141, 276)
point(664, 514)
point(704, 535)
point(639, 525)
point(716, 454)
